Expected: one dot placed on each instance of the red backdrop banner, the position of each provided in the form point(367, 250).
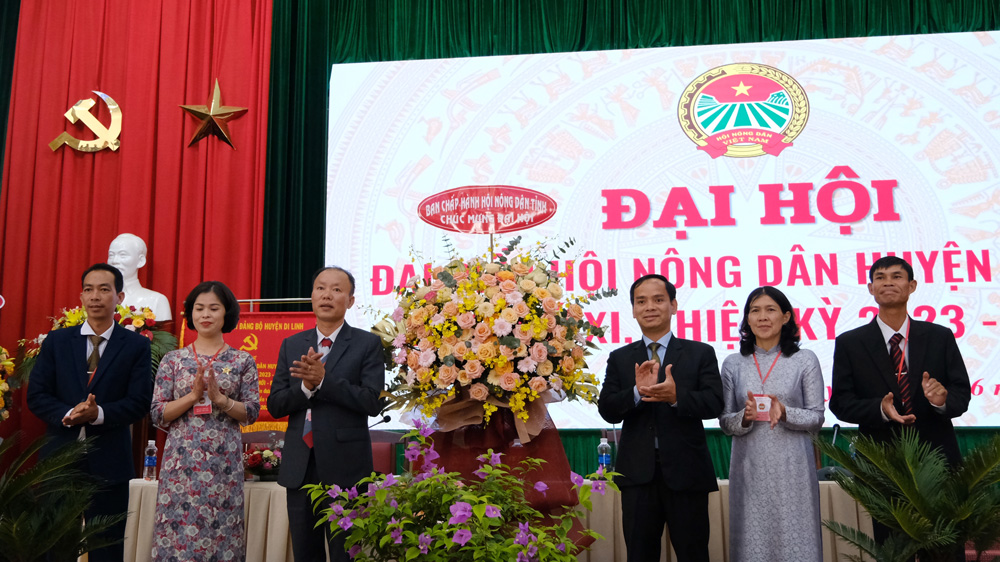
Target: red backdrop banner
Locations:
point(198, 208)
point(260, 334)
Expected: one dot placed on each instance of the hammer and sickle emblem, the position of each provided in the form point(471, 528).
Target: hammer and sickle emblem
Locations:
point(107, 137)
point(249, 343)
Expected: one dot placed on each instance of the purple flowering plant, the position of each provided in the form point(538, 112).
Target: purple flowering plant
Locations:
point(434, 515)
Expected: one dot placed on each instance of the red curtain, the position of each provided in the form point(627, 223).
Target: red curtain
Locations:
point(198, 208)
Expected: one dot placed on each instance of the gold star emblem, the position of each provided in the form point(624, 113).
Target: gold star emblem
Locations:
point(741, 90)
point(213, 118)
point(227, 370)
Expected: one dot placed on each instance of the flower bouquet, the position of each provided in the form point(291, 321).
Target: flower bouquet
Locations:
point(436, 516)
point(6, 394)
point(482, 335)
point(139, 320)
point(262, 461)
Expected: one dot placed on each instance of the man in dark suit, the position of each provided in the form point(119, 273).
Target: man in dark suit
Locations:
point(94, 380)
point(660, 389)
point(328, 382)
point(895, 371)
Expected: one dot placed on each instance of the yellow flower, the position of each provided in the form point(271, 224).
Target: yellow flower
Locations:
point(138, 322)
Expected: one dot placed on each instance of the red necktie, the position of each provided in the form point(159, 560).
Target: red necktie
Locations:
point(899, 364)
point(327, 342)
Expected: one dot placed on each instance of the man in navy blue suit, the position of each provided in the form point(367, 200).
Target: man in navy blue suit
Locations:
point(94, 380)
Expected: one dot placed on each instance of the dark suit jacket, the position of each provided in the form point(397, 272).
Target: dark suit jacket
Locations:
point(863, 374)
point(122, 387)
point(679, 429)
point(355, 376)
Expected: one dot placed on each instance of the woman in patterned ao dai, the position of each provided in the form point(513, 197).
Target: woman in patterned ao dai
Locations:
point(202, 394)
point(773, 489)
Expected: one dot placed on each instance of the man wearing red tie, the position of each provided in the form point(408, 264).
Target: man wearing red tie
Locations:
point(327, 381)
point(94, 380)
point(897, 372)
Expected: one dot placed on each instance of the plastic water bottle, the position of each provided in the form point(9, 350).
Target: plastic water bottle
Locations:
point(149, 465)
point(604, 455)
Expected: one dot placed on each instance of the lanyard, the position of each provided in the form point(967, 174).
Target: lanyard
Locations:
point(902, 356)
point(764, 378)
point(210, 361)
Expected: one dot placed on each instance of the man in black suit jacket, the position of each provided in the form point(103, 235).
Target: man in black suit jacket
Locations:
point(924, 387)
point(75, 400)
point(661, 400)
point(328, 382)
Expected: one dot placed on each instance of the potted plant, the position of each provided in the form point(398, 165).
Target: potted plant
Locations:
point(436, 516)
point(931, 508)
point(42, 506)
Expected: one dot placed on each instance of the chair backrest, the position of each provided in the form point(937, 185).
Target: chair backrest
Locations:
point(384, 457)
point(269, 438)
point(385, 436)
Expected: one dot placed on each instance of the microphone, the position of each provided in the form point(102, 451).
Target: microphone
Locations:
point(828, 472)
point(384, 419)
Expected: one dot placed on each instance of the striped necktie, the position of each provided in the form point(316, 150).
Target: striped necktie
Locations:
point(899, 365)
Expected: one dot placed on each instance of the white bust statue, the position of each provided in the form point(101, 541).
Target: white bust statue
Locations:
point(128, 253)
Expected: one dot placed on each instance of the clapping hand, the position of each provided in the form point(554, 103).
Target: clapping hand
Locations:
point(889, 409)
point(665, 391)
point(198, 388)
point(84, 412)
point(749, 410)
point(934, 391)
point(212, 387)
point(309, 369)
point(777, 412)
point(645, 374)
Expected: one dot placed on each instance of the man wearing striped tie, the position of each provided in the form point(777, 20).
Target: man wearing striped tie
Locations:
point(899, 372)
point(327, 381)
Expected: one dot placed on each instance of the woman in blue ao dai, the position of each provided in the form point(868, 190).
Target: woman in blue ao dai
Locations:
point(773, 395)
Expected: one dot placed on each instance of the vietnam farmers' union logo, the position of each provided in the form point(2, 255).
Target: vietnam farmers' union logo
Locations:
point(743, 110)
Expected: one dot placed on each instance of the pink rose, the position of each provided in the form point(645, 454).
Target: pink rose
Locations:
point(437, 285)
point(466, 320)
point(508, 381)
point(450, 309)
point(550, 305)
point(413, 359)
point(559, 333)
point(478, 392)
point(489, 280)
point(446, 376)
point(575, 311)
point(568, 365)
point(483, 332)
point(523, 333)
point(538, 352)
point(508, 286)
point(460, 275)
point(474, 368)
point(538, 384)
point(521, 309)
point(520, 268)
